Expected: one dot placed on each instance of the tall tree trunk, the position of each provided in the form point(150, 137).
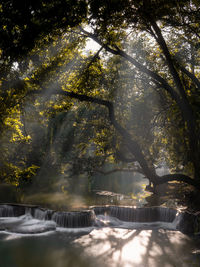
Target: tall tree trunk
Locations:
point(183, 103)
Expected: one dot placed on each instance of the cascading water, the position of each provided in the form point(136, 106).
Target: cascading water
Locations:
point(74, 219)
point(129, 214)
point(32, 219)
point(6, 211)
point(42, 214)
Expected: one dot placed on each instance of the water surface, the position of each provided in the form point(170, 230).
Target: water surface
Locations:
point(105, 246)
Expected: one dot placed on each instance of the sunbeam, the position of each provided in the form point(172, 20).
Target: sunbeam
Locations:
point(99, 133)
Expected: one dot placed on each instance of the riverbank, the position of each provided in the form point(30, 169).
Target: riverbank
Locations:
point(175, 195)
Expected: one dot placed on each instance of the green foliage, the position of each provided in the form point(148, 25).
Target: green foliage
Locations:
point(24, 23)
point(42, 57)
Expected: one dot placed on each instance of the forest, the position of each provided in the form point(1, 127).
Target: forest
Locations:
point(131, 103)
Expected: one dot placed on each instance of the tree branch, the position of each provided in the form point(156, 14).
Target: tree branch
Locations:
point(156, 78)
point(191, 76)
point(132, 145)
point(120, 156)
point(161, 41)
point(178, 177)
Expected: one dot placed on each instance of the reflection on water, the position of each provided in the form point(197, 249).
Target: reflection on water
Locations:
point(41, 251)
point(101, 247)
point(71, 201)
point(124, 189)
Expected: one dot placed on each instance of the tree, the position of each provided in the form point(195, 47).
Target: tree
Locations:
point(159, 63)
point(146, 15)
point(23, 25)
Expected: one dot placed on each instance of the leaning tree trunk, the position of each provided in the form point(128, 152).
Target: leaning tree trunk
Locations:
point(135, 149)
point(178, 94)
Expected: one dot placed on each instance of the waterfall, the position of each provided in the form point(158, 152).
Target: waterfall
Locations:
point(35, 219)
point(129, 214)
point(42, 214)
point(74, 219)
point(28, 211)
point(6, 211)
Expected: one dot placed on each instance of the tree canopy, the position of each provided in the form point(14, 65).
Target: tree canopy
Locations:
point(134, 101)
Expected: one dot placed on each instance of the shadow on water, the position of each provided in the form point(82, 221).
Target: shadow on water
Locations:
point(141, 240)
point(101, 247)
point(146, 248)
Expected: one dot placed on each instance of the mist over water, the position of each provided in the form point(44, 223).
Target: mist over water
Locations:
point(149, 238)
point(60, 139)
point(104, 247)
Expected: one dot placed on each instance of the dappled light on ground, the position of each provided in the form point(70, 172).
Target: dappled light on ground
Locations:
point(146, 248)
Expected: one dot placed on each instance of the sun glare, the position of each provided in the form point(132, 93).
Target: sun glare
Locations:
point(120, 246)
point(92, 46)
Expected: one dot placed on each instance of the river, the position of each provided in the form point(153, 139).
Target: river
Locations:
point(149, 237)
point(106, 247)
